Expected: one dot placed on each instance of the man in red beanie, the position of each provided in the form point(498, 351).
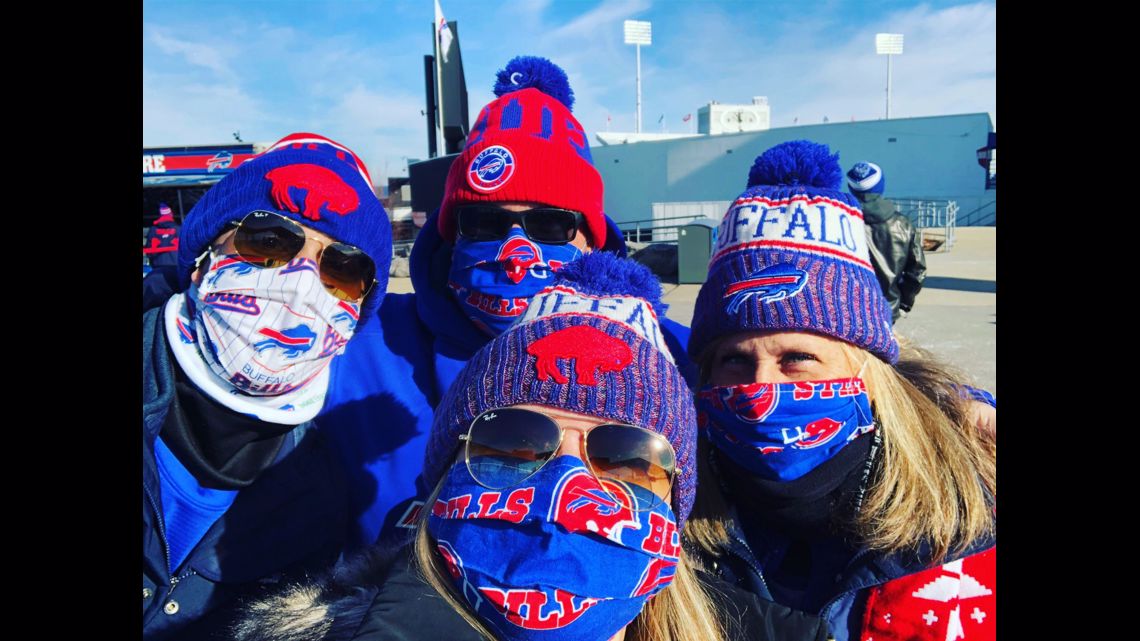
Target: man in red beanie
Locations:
point(522, 199)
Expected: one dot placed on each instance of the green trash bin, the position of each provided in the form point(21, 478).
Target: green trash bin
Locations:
point(695, 242)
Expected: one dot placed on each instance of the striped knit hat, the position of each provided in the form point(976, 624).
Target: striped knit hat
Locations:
point(791, 254)
point(311, 179)
point(589, 343)
point(526, 146)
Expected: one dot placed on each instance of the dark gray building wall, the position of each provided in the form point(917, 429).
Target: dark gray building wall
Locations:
point(930, 157)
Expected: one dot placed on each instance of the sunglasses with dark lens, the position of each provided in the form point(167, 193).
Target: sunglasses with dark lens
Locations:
point(266, 239)
point(506, 446)
point(542, 224)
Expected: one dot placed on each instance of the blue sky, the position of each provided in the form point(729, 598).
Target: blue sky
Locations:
point(353, 69)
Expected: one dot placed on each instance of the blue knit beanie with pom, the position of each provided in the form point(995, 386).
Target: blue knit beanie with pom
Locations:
point(590, 343)
point(791, 255)
point(311, 179)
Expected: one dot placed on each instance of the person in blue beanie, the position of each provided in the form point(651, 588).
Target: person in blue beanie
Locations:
point(895, 246)
point(521, 200)
point(562, 463)
point(277, 264)
point(843, 474)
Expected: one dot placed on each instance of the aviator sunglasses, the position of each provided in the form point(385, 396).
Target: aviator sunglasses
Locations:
point(506, 446)
point(548, 225)
point(266, 239)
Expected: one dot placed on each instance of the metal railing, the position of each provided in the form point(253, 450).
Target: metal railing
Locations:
point(933, 219)
point(656, 230)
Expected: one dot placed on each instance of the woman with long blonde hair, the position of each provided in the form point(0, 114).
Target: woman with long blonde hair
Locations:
point(562, 462)
point(841, 475)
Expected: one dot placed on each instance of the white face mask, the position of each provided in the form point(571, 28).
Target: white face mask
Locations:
point(268, 331)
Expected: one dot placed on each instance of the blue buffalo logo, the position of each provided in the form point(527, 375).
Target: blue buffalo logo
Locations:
point(773, 283)
point(221, 160)
point(348, 313)
point(228, 265)
point(491, 169)
point(293, 341)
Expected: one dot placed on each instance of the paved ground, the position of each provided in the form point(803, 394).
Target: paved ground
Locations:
point(955, 315)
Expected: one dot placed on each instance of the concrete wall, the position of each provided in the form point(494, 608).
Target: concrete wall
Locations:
point(931, 157)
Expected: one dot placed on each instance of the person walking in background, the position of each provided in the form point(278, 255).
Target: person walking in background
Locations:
point(896, 250)
point(162, 239)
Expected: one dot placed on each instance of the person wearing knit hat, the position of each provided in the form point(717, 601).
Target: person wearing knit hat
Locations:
point(562, 467)
point(162, 239)
point(278, 261)
point(521, 200)
point(842, 474)
point(895, 247)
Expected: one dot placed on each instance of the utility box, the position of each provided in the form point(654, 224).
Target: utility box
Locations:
point(694, 248)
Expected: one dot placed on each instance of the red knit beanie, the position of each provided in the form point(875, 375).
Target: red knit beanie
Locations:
point(526, 146)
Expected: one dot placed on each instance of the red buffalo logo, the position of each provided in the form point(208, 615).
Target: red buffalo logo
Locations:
point(325, 189)
point(592, 349)
point(753, 402)
point(517, 256)
point(581, 504)
point(815, 434)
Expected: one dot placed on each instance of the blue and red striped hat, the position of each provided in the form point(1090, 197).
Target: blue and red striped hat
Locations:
point(791, 255)
point(590, 343)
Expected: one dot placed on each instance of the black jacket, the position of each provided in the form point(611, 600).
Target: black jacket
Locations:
point(896, 252)
point(381, 597)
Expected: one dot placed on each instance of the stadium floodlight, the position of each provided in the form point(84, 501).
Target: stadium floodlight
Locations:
point(638, 32)
point(889, 44)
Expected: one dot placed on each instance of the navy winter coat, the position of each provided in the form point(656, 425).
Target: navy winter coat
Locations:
point(287, 525)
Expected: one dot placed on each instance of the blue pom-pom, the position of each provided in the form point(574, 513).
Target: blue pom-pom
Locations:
point(531, 71)
point(602, 273)
point(797, 162)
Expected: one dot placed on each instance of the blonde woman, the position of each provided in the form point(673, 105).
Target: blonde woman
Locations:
point(562, 462)
point(843, 478)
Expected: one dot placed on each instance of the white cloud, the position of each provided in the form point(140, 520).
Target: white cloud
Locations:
point(199, 54)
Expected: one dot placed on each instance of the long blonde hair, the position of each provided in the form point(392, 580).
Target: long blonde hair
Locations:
point(934, 476)
point(683, 611)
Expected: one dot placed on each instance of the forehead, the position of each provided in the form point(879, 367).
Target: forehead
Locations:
point(774, 342)
point(564, 417)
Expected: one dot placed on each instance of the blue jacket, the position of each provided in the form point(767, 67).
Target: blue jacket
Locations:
point(289, 523)
point(843, 608)
point(393, 373)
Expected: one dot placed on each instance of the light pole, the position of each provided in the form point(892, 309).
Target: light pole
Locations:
point(889, 44)
point(638, 32)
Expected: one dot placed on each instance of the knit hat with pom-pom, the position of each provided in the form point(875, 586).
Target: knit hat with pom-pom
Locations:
point(526, 146)
point(590, 343)
point(791, 255)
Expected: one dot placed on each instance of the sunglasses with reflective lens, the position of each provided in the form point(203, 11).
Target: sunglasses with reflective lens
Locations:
point(266, 239)
point(542, 224)
point(506, 446)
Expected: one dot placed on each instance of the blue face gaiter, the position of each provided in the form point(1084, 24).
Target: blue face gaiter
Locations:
point(495, 279)
point(554, 557)
point(781, 431)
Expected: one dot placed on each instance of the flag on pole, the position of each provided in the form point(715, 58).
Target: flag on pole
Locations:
point(609, 117)
point(687, 117)
point(442, 32)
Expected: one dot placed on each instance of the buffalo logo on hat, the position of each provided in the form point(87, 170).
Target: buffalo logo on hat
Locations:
point(325, 189)
point(491, 169)
point(773, 283)
point(592, 349)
